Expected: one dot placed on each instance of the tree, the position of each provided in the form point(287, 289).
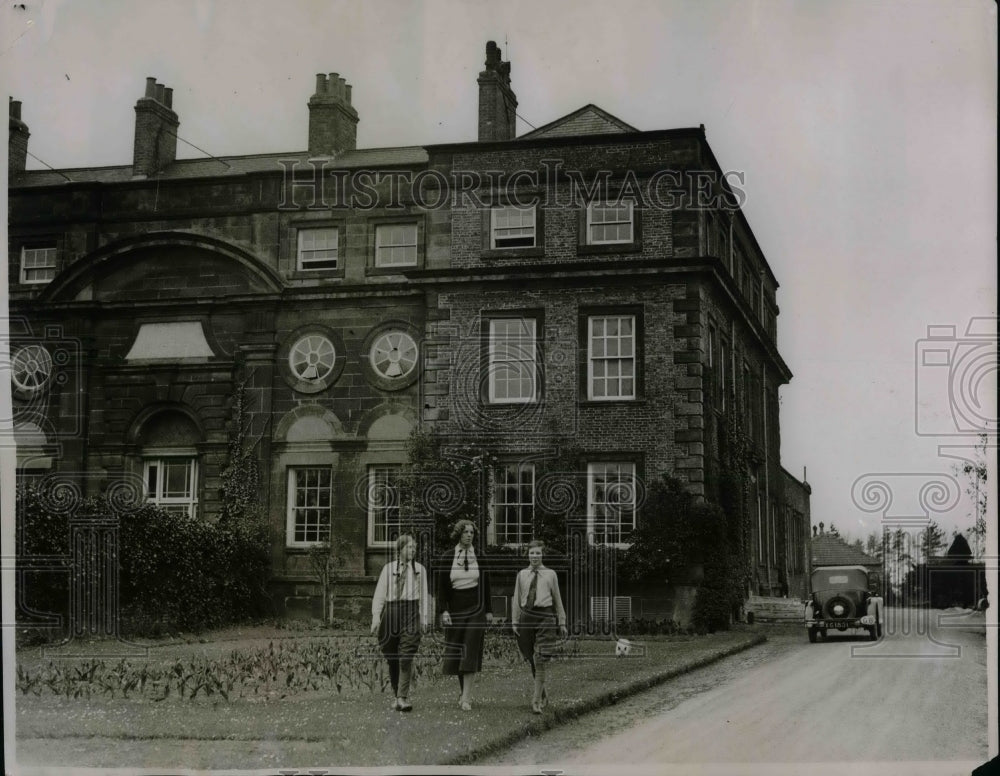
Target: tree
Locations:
point(873, 545)
point(328, 561)
point(974, 471)
point(932, 540)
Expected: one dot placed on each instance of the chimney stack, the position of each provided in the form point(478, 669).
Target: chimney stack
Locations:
point(333, 122)
point(17, 141)
point(497, 103)
point(155, 131)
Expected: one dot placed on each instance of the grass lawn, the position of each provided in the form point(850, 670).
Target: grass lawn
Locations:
point(277, 723)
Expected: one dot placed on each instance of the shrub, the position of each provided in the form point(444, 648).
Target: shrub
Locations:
point(174, 572)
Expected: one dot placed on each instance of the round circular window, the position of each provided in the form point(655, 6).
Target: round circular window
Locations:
point(393, 355)
point(311, 358)
point(31, 368)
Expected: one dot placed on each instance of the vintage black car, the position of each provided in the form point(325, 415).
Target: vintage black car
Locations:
point(842, 599)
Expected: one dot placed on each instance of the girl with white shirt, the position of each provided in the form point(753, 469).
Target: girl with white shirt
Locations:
point(401, 614)
point(463, 595)
point(538, 618)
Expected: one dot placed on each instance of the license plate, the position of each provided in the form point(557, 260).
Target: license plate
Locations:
point(838, 624)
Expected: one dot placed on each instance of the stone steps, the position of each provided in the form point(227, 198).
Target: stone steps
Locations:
point(775, 609)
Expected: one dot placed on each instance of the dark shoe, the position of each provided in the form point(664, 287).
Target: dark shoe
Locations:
point(395, 704)
point(405, 705)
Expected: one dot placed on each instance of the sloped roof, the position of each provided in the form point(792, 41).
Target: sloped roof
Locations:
point(588, 120)
point(227, 165)
point(830, 550)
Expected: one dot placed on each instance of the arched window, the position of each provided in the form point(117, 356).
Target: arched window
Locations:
point(169, 442)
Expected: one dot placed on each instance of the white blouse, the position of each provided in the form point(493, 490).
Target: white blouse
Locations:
point(462, 578)
point(414, 589)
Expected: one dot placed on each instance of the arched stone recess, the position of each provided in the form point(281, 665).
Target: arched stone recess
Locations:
point(35, 451)
point(164, 265)
point(309, 423)
point(377, 476)
point(165, 446)
point(310, 502)
point(388, 423)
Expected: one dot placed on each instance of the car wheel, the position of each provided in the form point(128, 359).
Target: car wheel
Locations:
point(812, 635)
point(873, 633)
point(823, 633)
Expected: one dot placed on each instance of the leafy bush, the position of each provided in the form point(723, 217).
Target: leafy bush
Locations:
point(175, 572)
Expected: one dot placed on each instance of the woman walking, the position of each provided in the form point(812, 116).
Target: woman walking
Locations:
point(538, 618)
point(463, 595)
point(400, 614)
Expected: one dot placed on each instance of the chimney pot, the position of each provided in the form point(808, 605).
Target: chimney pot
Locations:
point(821, 527)
point(332, 120)
point(492, 54)
point(155, 144)
point(497, 102)
point(17, 140)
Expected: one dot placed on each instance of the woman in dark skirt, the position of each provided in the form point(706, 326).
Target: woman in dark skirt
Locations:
point(538, 618)
point(463, 598)
point(400, 614)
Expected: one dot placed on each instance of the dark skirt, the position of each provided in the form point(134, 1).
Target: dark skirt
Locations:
point(463, 639)
point(538, 634)
point(399, 630)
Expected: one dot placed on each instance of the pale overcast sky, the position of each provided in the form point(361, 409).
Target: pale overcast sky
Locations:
point(866, 132)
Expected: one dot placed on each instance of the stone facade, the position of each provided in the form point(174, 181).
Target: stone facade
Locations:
point(165, 285)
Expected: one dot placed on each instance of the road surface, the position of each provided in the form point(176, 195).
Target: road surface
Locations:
point(917, 695)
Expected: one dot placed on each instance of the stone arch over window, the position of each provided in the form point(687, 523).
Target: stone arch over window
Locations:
point(144, 265)
point(309, 423)
point(167, 440)
point(388, 422)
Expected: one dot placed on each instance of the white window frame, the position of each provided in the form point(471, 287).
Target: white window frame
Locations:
point(507, 233)
point(605, 214)
point(524, 527)
point(310, 247)
point(293, 508)
point(512, 354)
point(388, 243)
point(596, 471)
point(378, 506)
point(607, 360)
point(39, 273)
point(187, 503)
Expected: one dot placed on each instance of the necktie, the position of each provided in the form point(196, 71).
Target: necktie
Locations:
point(400, 581)
point(532, 589)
